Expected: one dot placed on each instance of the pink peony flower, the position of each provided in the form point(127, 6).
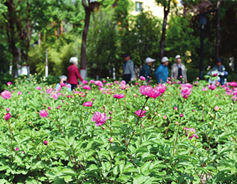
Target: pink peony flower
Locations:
point(212, 87)
point(233, 84)
point(19, 93)
point(98, 83)
point(7, 116)
point(92, 81)
point(104, 81)
point(87, 87)
point(7, 109)
point(6, 94)
point(216, 108)
point(54, 96)
point(150, 91)
point(197, 78)
point(45, 142)
point(9, 83)
point(190, 132)
point(161, 88)
point(43, 113)
point(204, 89)
point(88, 104)
point(49, 108)
point(181, 115)
point(99, 118)
point(17, 148)
point(140, 113)
point(186, 85)
point(84, 82)
point(234, 98)
point(123, 82)
point(142, 78)
point(118, 96)
point(50, 90)
point(175, 108)
point(38, 88)
point(185, 92)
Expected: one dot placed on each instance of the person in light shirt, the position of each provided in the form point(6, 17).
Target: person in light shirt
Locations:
point(128, 69)
point(63, 83)
point(178, 70)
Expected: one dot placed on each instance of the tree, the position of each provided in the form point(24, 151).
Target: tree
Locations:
point(89, 7)
point(167, 5)
point(20, 20)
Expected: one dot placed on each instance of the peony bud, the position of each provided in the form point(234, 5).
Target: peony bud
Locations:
point(111, 139)
point(45, 142)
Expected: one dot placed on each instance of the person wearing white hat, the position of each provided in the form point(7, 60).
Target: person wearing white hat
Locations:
point(162, 72)
point(145, 71)
point(178, 70)
point(73, 73)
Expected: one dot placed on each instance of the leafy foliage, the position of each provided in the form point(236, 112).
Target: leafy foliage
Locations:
point(67, 147)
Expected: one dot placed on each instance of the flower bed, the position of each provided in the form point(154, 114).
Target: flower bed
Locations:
point(109, 132)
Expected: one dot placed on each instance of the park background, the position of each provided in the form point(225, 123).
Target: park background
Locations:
point(143, 28)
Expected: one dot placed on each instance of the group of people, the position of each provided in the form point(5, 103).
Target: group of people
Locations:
point(178, 70)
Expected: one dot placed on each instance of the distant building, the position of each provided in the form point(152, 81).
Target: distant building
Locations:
point(147, 5)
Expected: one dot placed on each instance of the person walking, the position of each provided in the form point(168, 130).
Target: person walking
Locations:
point(128, 69)
point(162, 72)
point(145, 71)
point(178, 70)
point(73, 73)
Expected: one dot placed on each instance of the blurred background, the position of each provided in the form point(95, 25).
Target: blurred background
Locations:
point(36, 33)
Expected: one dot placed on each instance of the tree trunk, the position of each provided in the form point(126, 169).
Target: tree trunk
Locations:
point(11, 35)
point(217, 30)
point(84, 38)
point(162, 41)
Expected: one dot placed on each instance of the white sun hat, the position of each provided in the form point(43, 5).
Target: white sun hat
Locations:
point(177, 56)
point(149, 60)
point(164, 59)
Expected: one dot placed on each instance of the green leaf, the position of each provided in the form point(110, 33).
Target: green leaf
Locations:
point(68, 178)
point(68, 171)
point(3, 181)
point(145, 167)
point(140, 179)
point(123, 178)
point(130, 170)
point(116, 170)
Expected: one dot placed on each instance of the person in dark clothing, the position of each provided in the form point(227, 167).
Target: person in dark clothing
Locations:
point(145, 71)
point(221, 69)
